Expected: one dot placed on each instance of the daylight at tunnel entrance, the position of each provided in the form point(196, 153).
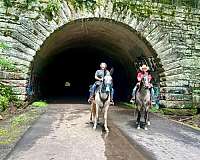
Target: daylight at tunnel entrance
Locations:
point(72, 54)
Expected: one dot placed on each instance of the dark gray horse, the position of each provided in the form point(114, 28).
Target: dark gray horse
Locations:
point(143, 102)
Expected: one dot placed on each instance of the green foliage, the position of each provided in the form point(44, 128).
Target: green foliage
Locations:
point(127, 105)
point(4, 102)
point(179, 112)
point(190, 3)
point(196, 90)
point(6, 91)
point(4, 46)
point(39, 104)
point(30, 1)
point(3, 132)
point(153, 109)
point(52, 8)
point(7, 3)
point(7, 65)
point(141, 10)
point(15, 127)
point(90, 5)
point(6, 96)
point(19, 120)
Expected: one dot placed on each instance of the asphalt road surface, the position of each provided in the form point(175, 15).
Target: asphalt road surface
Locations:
point(64, 133)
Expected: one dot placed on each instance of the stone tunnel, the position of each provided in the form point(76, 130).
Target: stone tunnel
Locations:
point(59, 56)
point(73, 54)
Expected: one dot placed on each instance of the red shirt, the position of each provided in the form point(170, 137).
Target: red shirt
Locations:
point(140, 75)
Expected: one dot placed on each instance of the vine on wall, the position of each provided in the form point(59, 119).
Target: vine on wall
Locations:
point(141, 9)
point(6, 93)
point(51, 9)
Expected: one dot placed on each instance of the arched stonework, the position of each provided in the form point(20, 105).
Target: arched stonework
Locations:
point(25, 32)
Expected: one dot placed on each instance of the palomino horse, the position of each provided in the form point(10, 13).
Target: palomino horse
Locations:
point(102, 100)
point(143, 102)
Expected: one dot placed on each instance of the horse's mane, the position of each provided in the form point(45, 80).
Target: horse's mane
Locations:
point(141, 85)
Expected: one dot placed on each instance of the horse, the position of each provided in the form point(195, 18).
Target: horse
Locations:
point(143, 102)
point(101, 100)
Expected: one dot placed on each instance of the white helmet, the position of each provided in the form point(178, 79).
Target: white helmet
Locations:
point(103, 65)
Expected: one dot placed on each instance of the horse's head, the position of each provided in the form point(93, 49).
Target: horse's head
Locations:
point(106, 85)
point(144, 83)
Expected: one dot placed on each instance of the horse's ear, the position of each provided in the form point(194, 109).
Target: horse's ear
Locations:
point(111, 71)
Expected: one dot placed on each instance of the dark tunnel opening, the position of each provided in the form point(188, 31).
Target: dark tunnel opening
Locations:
point(65, 65)
point(76, 67)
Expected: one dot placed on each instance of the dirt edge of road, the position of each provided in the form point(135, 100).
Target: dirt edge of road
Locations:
point(14, 128)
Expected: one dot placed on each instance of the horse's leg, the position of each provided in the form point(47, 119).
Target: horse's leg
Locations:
point(148, 119)
point(138, 118)
point(145, 119)
point(91, 112)
point(96, 116)
point(105, 118)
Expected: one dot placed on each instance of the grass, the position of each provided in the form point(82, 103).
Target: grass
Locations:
point(133, 106)
point(3, 132)
point(179, 112)
point(39, 104)
point(19, 120)
point(15, 126)
point(126, 105)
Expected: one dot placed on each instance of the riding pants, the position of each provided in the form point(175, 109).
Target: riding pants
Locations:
point(135, 88)
point(94, 87)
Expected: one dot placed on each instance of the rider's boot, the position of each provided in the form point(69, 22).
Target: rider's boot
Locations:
point(132, 99)
point(91, 98)
point(111, 102)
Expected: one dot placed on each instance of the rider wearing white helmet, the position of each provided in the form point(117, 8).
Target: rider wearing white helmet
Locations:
point(99, 75)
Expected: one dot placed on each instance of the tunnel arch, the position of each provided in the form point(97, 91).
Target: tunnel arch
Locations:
point(171, 36)
point(102, 39)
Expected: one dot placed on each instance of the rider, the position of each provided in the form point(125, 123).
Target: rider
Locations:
point(102, 72)
point(143, 72)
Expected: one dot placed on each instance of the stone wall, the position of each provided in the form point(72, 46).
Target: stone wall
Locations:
point(174, 34)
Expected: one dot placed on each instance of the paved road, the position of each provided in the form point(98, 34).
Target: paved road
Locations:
point(64, 133)
point(165, 139)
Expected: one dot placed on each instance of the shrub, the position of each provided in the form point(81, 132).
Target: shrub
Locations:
point(39, 104)
point(4, 102)
point(6, 97)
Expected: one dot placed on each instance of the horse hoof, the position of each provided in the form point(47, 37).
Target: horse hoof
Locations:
point(107, 130)
point(145, 128)
point(138, 127)
point(148, 123)
point(91, 122)
point(94, 128)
